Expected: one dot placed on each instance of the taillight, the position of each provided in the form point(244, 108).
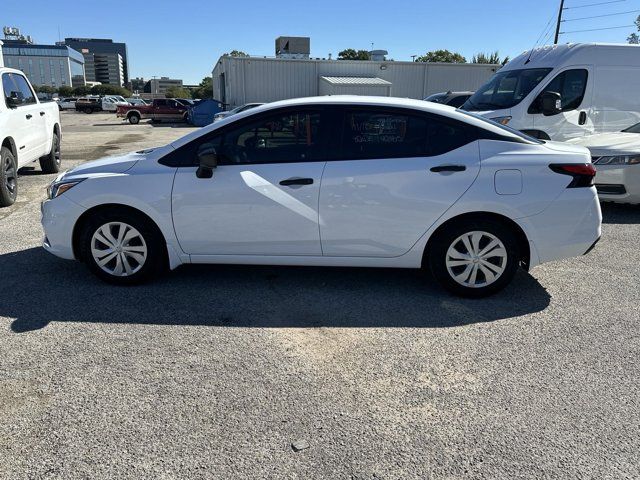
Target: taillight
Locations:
point(582, 173)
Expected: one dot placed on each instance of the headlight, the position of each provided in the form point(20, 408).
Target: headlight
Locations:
point(501, 120)
point(58, 188)
point(617, 160)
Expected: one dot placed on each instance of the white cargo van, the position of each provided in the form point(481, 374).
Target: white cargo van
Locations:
point(565, 91)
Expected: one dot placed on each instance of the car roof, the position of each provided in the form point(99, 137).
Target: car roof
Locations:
point(347, 100)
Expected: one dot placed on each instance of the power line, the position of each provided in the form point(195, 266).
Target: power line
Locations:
point(594, 29)
point(594, 4)
point(600, 16)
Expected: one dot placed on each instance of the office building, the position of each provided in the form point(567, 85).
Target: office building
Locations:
point(45, 65)
point(106, 49)
point(105, 68)
point(161, 85)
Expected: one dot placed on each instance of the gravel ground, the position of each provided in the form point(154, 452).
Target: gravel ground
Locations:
point(220, 371)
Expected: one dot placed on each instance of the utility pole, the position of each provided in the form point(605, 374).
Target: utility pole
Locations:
point(555, 41)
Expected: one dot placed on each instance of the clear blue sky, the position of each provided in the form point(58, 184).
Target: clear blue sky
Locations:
point(183, 39)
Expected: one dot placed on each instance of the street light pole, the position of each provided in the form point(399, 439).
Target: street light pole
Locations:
point(555, 41)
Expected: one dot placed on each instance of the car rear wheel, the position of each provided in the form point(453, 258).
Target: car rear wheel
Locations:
point(51, 163)
point(475, 259)
point(8, 178)
point(134, 119)
point(88, 110)
point(122, 248)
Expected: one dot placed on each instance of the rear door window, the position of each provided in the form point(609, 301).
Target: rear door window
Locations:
point(372, 133)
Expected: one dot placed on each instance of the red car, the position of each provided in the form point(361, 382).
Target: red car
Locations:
point(160, 109)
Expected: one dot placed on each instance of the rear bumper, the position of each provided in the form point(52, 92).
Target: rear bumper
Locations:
point(569, 227)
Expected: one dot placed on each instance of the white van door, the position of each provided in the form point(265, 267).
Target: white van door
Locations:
point(575, 86)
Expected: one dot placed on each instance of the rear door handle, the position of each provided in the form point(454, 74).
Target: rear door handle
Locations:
point(296, 181)
point(29, 116)
point(41, 113)
point(448, 168)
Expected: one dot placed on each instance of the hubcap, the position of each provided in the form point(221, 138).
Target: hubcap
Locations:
point(118, 249)
point(476, 259)
point(10, 175)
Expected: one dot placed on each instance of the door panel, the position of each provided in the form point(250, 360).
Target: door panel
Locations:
point(575, 122)
point(381, 207)
point(244, 210)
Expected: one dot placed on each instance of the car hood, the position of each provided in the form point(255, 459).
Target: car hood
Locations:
point(614, 143)
point(115, 164)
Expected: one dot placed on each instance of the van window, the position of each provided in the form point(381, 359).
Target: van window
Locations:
point(380, 134)
point(505, 89)
point(570, 84)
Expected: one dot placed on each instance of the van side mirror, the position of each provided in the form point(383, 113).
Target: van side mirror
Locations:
point(550, 103)
point(207, 161)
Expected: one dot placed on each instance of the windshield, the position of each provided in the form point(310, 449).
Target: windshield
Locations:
point(633, 129)
point(505, 89)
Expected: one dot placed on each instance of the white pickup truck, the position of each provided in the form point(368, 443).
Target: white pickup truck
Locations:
point(29, 131)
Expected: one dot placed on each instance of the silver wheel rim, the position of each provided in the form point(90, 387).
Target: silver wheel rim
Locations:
point(10, 175)
point(476, 259)
point(118, 249)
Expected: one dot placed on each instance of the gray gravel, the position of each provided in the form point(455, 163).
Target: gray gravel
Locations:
point(218, 372)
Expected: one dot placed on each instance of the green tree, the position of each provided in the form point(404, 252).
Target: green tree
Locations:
point(45, 89)
point(443, 56)
point(177, 92)
point(634, 38)
point(492, 58)
point(65, 91)
point(83, 90)
point(110, 90)
point(236, 53)
point(351, 54)
point(204, 89)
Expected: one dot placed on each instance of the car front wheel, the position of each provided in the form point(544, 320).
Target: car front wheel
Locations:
point(475, 258)
point(8, 178)
point(122, 248)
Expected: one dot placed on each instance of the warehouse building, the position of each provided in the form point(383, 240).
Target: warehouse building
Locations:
point(239, 80)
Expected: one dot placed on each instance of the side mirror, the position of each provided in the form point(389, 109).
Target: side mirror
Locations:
point(550, 103)
point(207, 160)
point(14, 99)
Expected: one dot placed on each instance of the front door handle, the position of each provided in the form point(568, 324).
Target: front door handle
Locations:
point(296, 181)
point(582, 118)
point(29, 116)
point(41, 113)
point(448, 168)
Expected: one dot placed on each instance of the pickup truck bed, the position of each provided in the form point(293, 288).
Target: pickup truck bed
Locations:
point(29, 131)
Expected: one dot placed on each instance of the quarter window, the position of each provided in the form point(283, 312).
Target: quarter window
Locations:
point(570, 84)
point(376, 134)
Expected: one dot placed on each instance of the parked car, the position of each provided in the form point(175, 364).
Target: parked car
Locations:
point(29, 131)
point(564, 91)
point(136, 101)
point(160, 109)
point(616, 157)
point(453, 99)
point(67, 103)
point(187, 102)
point(110, 103)
point(333, 181)
point(89, 104)
point(241, 108)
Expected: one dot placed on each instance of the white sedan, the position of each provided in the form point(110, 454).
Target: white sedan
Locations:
point(616, 156)
point(332, 181)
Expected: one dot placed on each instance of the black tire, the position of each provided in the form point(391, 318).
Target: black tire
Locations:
point(50, 163)
point(134, 119)
point(503, 268)
point(156, 256)
point(88, 110)
point(8, 177)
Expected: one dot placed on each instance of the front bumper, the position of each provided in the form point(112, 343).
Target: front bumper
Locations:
point(59, 217)
point(618, 183)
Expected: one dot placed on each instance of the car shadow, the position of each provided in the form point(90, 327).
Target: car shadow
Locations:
point(617, 213)
point(248, 296)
